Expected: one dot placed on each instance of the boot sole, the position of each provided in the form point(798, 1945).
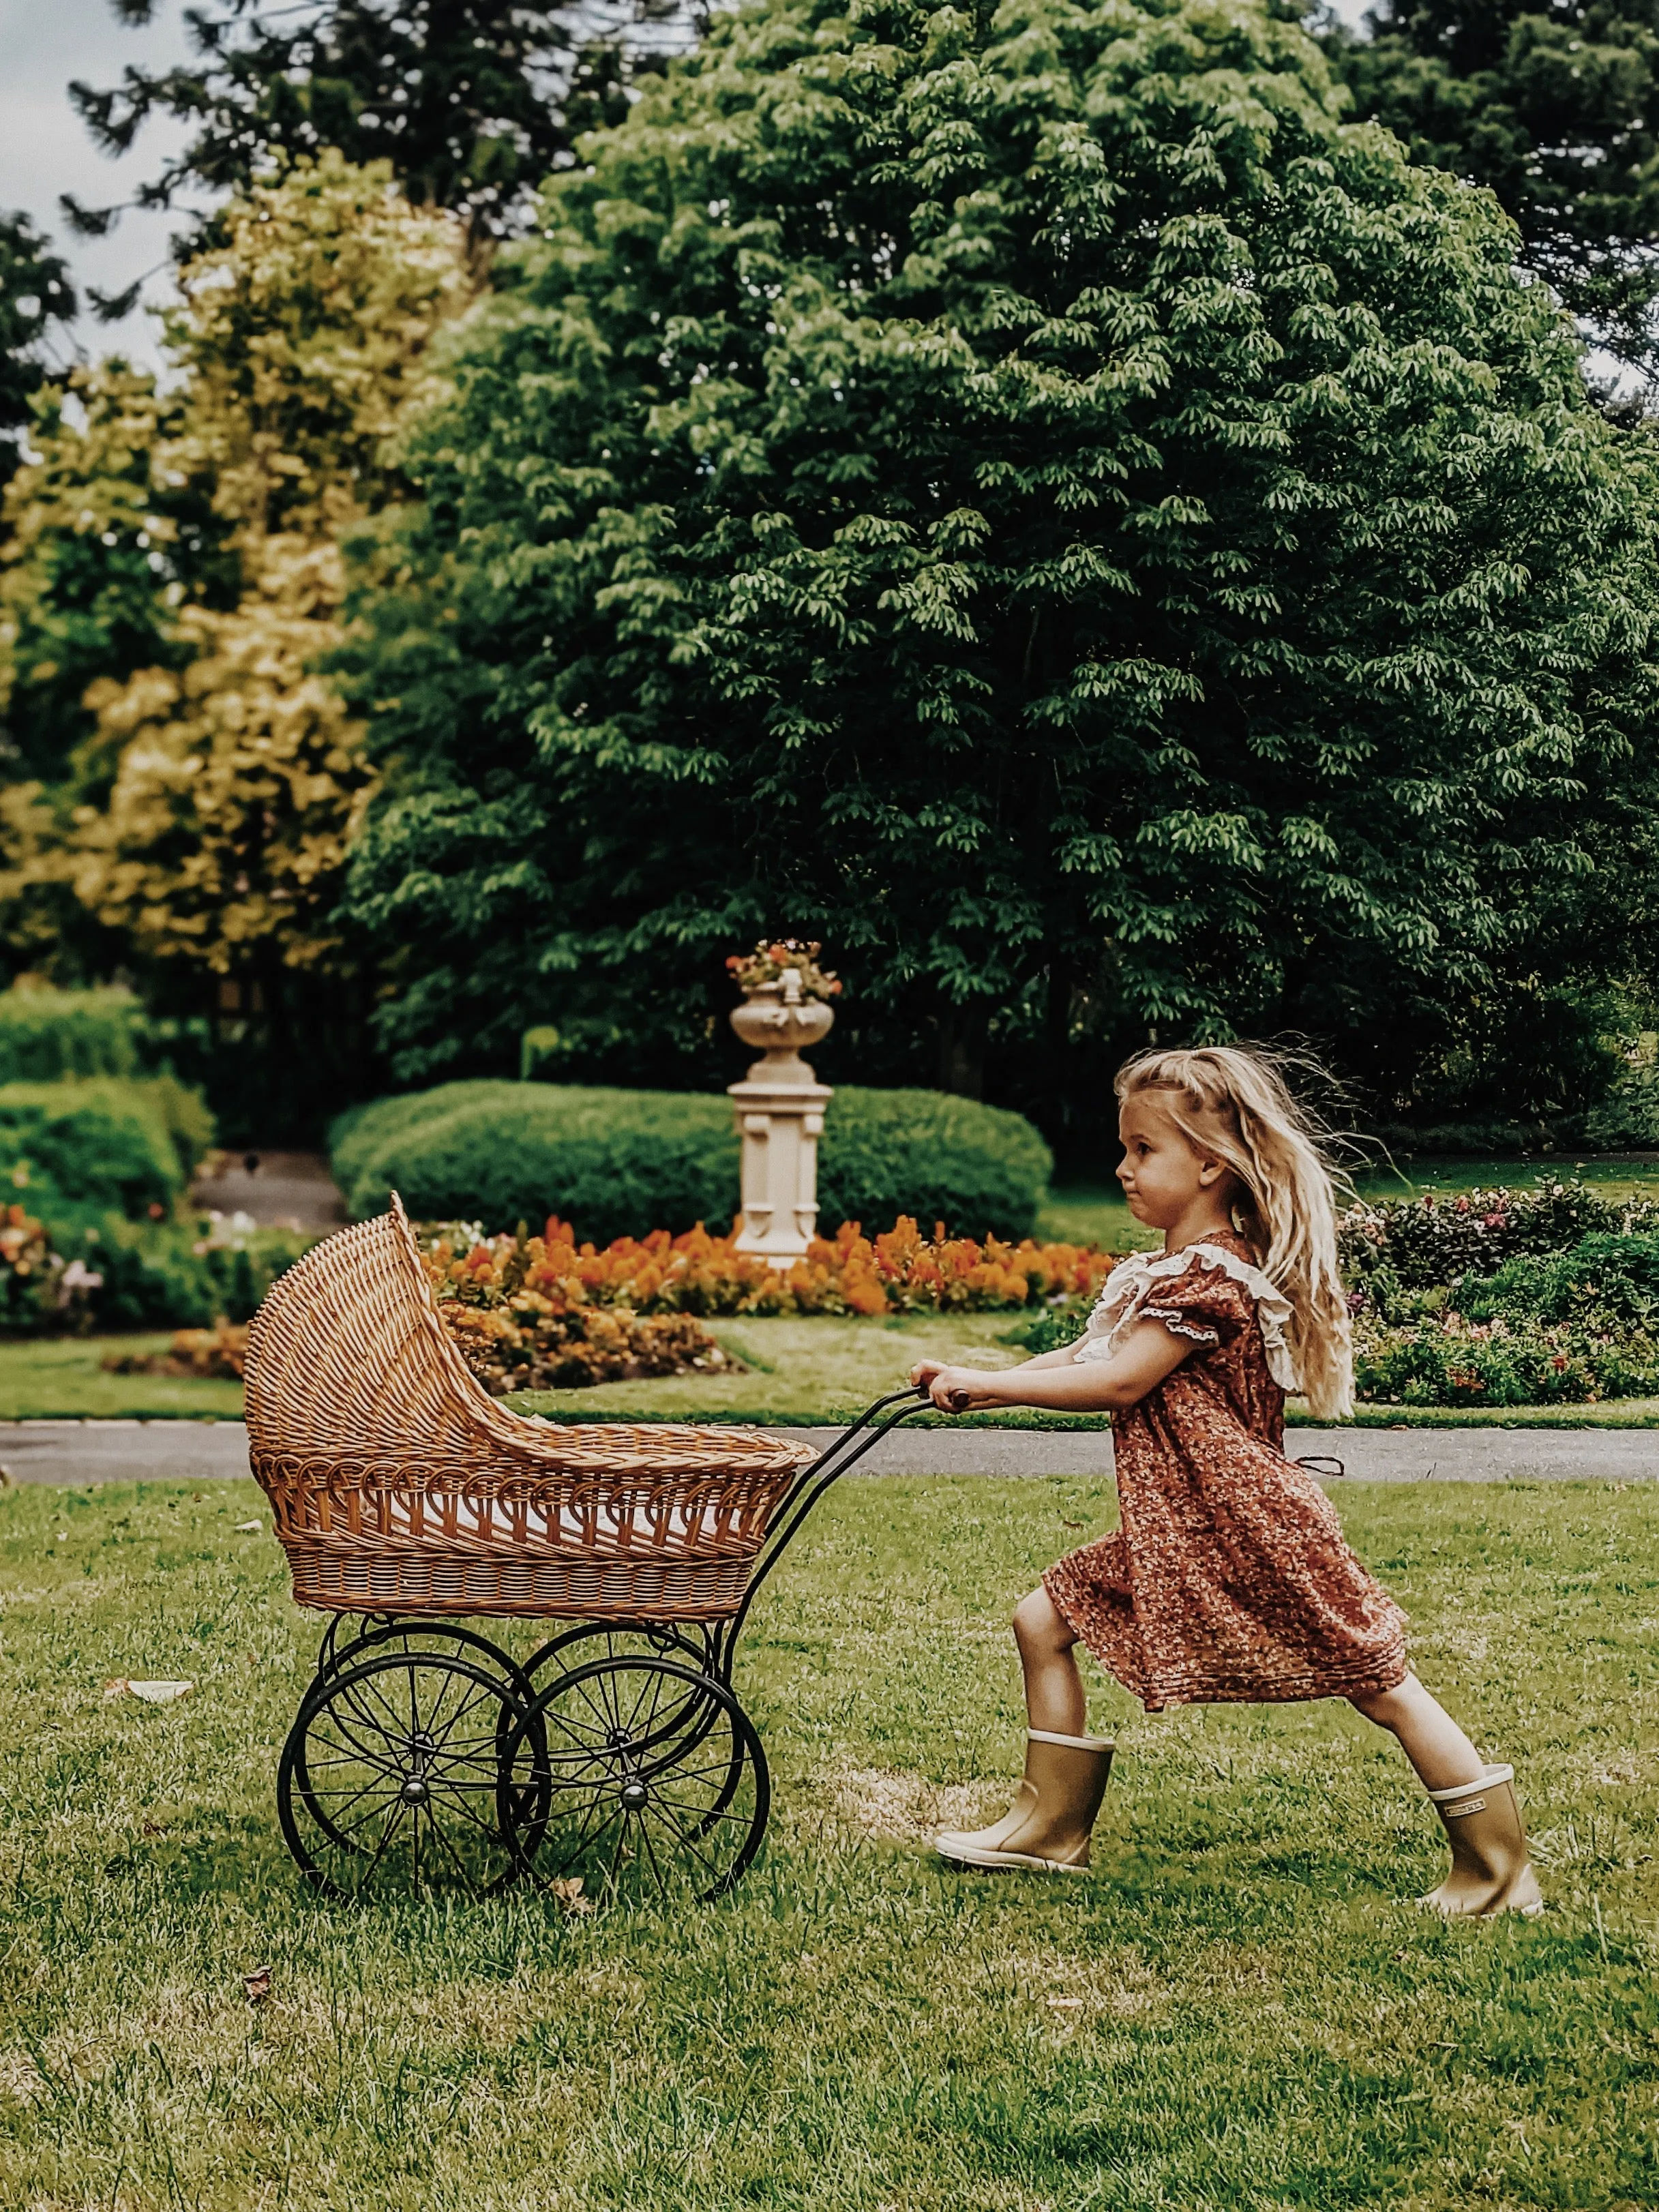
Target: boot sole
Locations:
point(1018, 1862)
point(1492, 1912)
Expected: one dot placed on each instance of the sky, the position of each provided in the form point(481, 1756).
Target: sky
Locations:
point(45, 148)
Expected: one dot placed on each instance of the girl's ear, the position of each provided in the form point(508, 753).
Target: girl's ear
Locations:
point(1210, 1173)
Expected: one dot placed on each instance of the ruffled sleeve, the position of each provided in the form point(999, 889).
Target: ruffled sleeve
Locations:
point(1205, 1307)
point(1205, 1294)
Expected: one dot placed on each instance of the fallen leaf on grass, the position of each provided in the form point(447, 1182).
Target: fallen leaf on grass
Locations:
point(569, 1894)
point(152, 1694)
point(1064, 2004)
point(248, 1528)
point(256, 1984)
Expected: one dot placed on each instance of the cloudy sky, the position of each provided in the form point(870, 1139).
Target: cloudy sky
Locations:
point(45, 148)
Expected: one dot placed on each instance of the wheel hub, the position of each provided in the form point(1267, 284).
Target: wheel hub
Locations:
point(634, 1796)
point(415, 1792)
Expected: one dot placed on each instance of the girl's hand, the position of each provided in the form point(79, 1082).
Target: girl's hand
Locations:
point(954, 1389)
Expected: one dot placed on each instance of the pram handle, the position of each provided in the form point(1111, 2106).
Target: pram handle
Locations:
point(810, 1484)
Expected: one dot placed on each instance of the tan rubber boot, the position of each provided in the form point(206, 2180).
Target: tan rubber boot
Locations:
point(1047, 1829)
point(1491, 1871)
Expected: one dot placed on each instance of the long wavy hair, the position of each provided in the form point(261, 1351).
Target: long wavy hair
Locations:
point(1233, 1102)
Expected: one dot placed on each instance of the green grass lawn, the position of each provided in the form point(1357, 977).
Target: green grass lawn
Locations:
point(63, 1378)
point(1237, 2007)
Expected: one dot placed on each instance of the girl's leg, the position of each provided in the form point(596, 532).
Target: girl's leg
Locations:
point(1489, 1870)
point(1053, 1687)
point(1048, 1824)
point(1430, 1737)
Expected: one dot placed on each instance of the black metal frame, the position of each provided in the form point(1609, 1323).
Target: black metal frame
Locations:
point(688, 1650)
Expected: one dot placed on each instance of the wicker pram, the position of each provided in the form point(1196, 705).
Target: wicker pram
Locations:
point(399, 1484)
point(401, 1491)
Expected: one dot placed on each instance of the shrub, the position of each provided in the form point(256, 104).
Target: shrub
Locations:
point(1048, 1331)
point(162, 1276)
point(51, 1036)
point(1615, 1279)
point(1450, 1361)
point(106, 1144)
point(980, 1170)
point(39, 1289)
point(615, 1162)
point(575, 1349)
point(1418, 1243)
point(218, 1353)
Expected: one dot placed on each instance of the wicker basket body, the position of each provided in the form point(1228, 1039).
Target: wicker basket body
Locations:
point(398, 1485)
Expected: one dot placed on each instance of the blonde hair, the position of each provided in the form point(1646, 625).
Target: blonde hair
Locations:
point(1232, 1102)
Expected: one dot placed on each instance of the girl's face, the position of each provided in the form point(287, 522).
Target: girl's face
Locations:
point(1163, 1174)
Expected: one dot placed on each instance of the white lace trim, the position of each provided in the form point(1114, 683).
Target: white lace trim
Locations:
point(1132, 1282)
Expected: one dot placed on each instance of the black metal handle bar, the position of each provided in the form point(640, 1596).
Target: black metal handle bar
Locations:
point(810, 1484)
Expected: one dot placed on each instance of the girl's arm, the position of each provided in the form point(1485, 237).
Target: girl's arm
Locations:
point(1061, 1382)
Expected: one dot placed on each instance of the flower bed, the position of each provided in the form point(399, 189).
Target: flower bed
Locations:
point(900, 1272)
point(533, 1313)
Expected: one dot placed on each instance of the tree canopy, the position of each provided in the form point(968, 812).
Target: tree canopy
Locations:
point(1036, 502)
point(473, 101)
point(35, 293)
point(1556, 110)
point(173, 576)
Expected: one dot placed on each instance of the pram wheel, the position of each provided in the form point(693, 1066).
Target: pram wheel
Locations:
point(393, 1778)
point(657, 1785)
point(385, 1631)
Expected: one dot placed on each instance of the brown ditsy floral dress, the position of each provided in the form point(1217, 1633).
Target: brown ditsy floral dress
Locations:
point(1229, 1579)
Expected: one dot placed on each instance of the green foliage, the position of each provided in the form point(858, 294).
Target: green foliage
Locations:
point(1556, 111)
point(622, 1162)
point(168, 1277)
point(75, 1151)
point(1614, 1278)
point(455, 94)
point(1030, 500)
point(1413, 1244)
point(616, 1163)
point(980, 1170)
point(1052, 1329)
point(48, 1036)
point(1521, 1362)
point(35, 293)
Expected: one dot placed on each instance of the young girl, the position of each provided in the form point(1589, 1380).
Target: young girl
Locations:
point(1228, 1580)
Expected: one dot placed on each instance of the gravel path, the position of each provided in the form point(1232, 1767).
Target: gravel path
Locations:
point(126, 1451)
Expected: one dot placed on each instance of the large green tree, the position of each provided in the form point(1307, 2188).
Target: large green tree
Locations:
point(1034, 500)
point(1554, 107)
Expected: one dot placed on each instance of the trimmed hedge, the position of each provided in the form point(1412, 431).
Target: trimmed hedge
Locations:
point(614, 1163)
point(980, 1170)
point(71, 1150)
point(55, 1036)
point(622, 1163)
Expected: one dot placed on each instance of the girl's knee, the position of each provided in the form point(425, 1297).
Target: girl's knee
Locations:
point(1386, 1707)
point(1037, 1626)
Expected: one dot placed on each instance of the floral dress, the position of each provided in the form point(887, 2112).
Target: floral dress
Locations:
point(1229, 1579)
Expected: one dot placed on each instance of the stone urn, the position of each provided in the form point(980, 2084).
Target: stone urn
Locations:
point(777, 1022)
point(780, 1108)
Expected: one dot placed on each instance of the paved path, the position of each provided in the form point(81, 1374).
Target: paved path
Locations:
point(125, 1451)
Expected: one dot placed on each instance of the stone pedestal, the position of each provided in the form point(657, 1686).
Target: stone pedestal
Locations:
point(780, 1108)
